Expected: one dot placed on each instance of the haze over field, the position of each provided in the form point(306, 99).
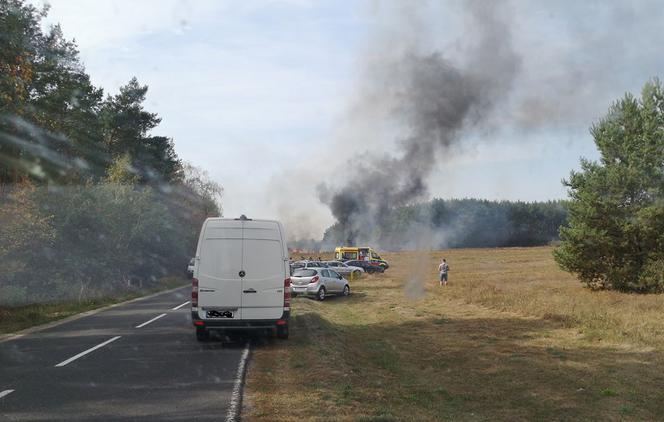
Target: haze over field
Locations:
point(451, 99)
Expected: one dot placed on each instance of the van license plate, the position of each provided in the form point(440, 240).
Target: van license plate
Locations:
point(219, 314)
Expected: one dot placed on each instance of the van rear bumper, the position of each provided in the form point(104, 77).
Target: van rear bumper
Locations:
point(248, 324)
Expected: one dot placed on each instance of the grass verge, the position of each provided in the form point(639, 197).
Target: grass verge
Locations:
point(17, 318)
point(510, 338)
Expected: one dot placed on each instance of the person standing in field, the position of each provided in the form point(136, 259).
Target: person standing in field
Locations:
point(443, 268)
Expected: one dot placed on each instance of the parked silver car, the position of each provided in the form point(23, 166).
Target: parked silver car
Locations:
point(298, 265)
point(318, 282)
point(344, 269)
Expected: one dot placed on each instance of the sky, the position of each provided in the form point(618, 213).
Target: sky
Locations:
point(264, 94)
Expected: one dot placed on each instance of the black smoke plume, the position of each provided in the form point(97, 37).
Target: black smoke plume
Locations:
point(431, 101)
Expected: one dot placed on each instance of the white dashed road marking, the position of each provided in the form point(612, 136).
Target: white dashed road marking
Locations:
point(179, 306)
point(92, 349)
point(152, 320)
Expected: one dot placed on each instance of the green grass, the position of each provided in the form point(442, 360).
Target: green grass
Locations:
point(17, 318)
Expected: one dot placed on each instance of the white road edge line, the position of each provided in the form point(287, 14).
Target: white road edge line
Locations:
point(92, 349)
point(152, 320)
point(179, 306)
point(5, 393)
point(234, 408)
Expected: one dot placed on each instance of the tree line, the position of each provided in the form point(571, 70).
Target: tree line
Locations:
point(92, 203)
point(458, 223)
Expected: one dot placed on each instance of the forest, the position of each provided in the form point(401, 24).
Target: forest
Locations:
point(458, 223)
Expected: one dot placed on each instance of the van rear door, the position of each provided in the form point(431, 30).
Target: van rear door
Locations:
point(220, 263)
point(265, 269)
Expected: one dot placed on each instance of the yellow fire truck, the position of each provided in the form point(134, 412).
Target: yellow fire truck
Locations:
point(363, 253)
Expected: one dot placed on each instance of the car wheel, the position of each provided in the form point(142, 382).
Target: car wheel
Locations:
point(202, 334)
point(346, 291)
point(282, 332)
point(320, 295)
point(357, 273)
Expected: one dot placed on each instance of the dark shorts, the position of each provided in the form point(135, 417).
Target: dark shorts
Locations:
point(443, 276)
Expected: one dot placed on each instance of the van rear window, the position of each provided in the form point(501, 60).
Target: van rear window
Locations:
point(304, 273)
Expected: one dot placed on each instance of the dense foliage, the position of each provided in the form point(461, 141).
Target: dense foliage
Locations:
point(455, 223)
point(615, 235)
point(91, 203)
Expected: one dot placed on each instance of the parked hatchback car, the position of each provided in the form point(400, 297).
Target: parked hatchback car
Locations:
point(318, 282)
point(368, 266)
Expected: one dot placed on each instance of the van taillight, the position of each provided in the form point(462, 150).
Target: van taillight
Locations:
point(194, 292)
point(314, 279)
point(287, 293)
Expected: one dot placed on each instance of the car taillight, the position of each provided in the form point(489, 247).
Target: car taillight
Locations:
point(287, 293)
point(314, 279)
point(194, 292)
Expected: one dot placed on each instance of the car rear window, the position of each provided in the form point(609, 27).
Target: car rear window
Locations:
point(304, 273)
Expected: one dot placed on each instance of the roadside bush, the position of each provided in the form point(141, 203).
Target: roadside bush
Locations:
point(101, 239)
point(652, 276)
point(24, 232)
point(110, 237)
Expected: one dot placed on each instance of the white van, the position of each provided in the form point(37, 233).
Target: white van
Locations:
point(241, 277)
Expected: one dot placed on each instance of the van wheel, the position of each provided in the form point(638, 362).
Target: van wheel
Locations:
point(320, 295)
point(346, 291)
point(282, 332)
point(202, 334)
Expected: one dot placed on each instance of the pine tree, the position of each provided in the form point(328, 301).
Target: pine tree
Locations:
point(615, 235)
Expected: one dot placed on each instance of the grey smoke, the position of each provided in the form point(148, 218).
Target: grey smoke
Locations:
point(537, 73)
point(580, 56)
point(431, 100)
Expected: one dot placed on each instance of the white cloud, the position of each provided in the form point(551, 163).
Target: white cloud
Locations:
point(102, 23)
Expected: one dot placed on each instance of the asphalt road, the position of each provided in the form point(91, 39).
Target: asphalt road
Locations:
point(134, 369)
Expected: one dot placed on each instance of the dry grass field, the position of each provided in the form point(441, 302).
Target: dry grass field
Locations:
point(510, 338)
